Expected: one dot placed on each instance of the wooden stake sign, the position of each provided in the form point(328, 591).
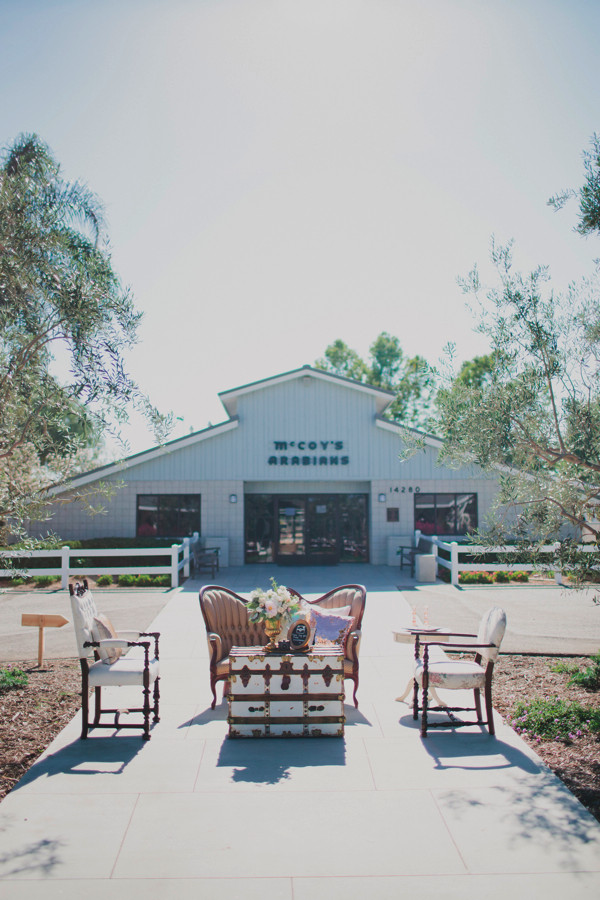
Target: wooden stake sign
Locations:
point(42, 621)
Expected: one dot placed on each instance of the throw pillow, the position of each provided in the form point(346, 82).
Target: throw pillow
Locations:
point(330, 627)
point(102, 631)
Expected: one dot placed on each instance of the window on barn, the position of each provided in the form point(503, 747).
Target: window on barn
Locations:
point(446, 514)
point(168, 515)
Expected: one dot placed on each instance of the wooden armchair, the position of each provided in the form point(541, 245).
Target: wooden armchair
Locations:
point(460, 674)
point(109, 659)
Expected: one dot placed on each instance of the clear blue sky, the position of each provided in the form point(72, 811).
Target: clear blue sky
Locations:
point(281, 173)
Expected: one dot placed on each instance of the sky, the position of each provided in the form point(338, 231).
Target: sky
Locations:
point(278, 174)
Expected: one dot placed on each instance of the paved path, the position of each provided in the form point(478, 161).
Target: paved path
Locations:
point(380, 813)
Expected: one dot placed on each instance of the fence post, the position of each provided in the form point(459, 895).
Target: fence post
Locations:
point(65, 554)
point(454, 563)
point(175, 565)
point(186, 557)
point(557, 574)
point(434, 547)
point(417, 537)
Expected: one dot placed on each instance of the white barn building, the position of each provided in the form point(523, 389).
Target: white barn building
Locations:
point(304, 470)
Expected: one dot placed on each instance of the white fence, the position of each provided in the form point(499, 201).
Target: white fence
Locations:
point(455, 550)
point(178, 555)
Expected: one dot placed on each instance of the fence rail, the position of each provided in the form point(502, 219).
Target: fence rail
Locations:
point(178, 559)
point(455, 550)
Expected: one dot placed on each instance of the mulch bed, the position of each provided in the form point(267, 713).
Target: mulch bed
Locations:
point(30, 717)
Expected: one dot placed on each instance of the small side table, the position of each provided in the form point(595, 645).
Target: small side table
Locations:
point(407, 636)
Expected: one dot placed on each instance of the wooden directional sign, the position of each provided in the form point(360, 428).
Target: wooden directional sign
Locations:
point(41, 621)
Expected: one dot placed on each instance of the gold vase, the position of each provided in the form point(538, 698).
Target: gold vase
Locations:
point(273, 628)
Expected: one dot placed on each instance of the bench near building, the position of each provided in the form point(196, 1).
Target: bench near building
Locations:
point(304, 470)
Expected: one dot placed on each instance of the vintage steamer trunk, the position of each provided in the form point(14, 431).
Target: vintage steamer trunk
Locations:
point(286, 694)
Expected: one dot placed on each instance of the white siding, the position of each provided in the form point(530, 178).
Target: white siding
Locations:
point(317, 420)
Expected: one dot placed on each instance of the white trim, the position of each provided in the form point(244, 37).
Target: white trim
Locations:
point(398, 429)
point(229, 398)
point(146, 456)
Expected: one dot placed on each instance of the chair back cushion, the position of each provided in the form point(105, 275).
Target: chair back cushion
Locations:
point(226, 614)
point(84, 611)
point(491, 631)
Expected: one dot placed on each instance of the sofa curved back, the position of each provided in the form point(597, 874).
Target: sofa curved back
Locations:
point(226, 614)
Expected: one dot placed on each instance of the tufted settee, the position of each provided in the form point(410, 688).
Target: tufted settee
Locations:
point(227, 625)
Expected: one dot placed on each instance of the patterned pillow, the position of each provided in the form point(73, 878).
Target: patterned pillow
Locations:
point(102, 631)
point(331, 628)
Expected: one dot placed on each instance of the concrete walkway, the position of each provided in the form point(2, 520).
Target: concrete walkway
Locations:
point(380, 813)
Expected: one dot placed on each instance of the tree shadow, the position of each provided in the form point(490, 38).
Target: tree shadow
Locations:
point(38, 857)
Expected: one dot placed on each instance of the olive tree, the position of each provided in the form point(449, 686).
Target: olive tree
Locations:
point(65, 323)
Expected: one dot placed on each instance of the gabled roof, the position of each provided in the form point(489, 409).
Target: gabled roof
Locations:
point(147, 455)
point(229, 398)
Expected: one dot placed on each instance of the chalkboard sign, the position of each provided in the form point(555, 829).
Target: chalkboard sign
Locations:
point(299, 634)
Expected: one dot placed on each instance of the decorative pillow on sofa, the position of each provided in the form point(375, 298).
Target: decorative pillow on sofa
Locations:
point(331, 627)
point(102, 631)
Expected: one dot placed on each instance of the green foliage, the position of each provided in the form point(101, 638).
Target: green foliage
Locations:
point(144, 581)
point(42, 581)
point(12, 678)
point(104, 581)
point(501, 577)
point(564, 668)
point(127, 580)
point(590, 677)
point(58, 292)
point(554, 719)
point(412, 379)
point(519, 576)
point(589, 193)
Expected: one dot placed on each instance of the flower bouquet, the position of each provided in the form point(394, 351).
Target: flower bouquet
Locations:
point(271, 607)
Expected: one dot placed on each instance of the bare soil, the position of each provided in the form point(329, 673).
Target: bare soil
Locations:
point(31, 716)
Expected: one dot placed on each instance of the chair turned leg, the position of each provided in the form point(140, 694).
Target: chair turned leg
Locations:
point(489, 709)
point(85, 699)
point(97, 704)
point(415, 699)
point(477, 694)
point(354, 694)
point(85, 711)
point(156, 717)
point(213, 687)
point(425, 702)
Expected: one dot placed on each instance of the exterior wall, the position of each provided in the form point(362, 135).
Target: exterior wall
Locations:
point(328, 428)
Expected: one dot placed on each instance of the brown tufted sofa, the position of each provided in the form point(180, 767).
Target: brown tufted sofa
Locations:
point(227, 625)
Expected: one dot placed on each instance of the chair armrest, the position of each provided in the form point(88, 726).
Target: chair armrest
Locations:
point(427, 632)
point(216, 645)
point(447, 645)
point(353, 644)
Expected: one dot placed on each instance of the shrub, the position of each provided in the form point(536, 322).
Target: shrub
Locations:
point(126, 580)
point(519, 576)
point(590, 677)
point(144, 580)
point(501, 577)
point(554, 719)
point(16, 581)
point(44, 580)
point(564, 668)
point(104, 581)
point(162, 580)
point(12, 678)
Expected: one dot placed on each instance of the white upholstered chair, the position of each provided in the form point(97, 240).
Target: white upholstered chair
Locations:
point(108, 659)
point(460, 674)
